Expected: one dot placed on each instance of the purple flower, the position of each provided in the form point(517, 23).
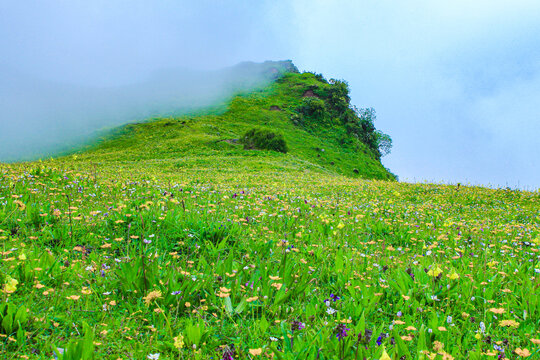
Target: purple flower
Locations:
point(228, 353)
point(146, 241)
point(341, 331)
point(297, 325)
point(366, 338)
point(177, 292)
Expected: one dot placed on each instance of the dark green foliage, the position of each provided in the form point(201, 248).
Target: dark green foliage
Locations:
point(263, 139)
point(338, 98)
point(312, 107)
point(362, 126)
point(329, 108)
point(319, 77)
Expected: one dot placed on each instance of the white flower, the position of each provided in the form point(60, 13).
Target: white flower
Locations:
point(482, 327)
point(330, 311)
point(449, 319)
point(273, 338)
point(153, 356)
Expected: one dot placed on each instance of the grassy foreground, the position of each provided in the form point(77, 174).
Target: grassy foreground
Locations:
point(126, 260)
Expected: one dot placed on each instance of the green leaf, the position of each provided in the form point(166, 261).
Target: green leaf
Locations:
point(402, 348)
point(88, 343)
point(7, 323)
point(240, 306)
point(228, 305)
point(263, 324)
point(362, 323)
point(339, 261)
point(21, 315)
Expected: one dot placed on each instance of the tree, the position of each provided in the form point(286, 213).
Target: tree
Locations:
point(378, 141)
point(384, 143)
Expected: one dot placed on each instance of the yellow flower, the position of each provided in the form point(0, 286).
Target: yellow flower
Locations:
point(523, 352)
point(340, 226)
point(20, 205)
point(478, 336)
point(179, 342)
point(438, 346)
point(255, 352)
point(152, 295)
point(385, 356)
point(435, 271)
point(11, 285)
point(453, 276)
point(509, 323)
point(277, 285)
point(22, 257)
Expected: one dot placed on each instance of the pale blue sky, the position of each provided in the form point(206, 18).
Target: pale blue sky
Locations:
point(455, 83)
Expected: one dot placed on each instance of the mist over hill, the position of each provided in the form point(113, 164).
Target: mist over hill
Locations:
point(40, 118)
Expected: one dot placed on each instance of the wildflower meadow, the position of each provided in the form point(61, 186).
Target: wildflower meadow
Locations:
point(102, 261)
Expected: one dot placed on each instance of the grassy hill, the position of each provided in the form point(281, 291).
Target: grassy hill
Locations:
point(213, 139)
point(165, 241)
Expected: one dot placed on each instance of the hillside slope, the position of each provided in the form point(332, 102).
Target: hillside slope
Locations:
point(319, 141)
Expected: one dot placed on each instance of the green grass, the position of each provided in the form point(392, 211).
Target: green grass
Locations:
point(162, 240)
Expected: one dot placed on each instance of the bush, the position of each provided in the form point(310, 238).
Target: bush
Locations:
point(263, 139)
point(312, 107)
point(337, 97)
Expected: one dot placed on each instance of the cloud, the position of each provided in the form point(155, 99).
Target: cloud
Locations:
point(443, 77)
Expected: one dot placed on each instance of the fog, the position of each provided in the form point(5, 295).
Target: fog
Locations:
point(455, 83)
point(41, 118)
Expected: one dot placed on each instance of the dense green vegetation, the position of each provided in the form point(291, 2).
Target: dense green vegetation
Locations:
point(169, 240)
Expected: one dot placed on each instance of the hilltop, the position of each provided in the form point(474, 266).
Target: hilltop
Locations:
point(314, 116)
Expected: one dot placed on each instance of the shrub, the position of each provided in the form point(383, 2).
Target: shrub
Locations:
point(338, 98)
point(312, 107)
point(263, 139)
